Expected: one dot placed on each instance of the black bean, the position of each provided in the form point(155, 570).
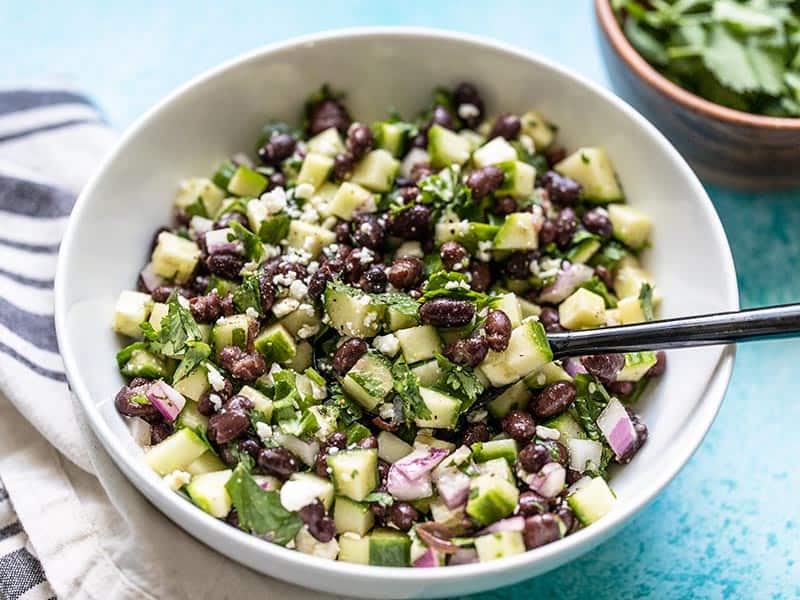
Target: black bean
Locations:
point(312, 513)
point(233, 519)
point(480, 276)
point(369, 232)
point(206, 309)
point(368, 443)
point(374, 280)
point(412, 223)
point(540, 530)
point(604, 366)
point(318, 282)
point(420, 140)
point(420, 171)
point(454, 256)
point(506, 126)
point(406, 272)
point(246, 366)
point(561, 189)
point(205, 406)
point(554, 399)
point(476, 432)
point(519, 425)
point(466, 93)
point(554, 155)
point(163, 292)
point(548, 232)
point(620, 388)
point(159, 431)
point(326, 114)
point(468, 351)
point(661, 365)
point(126, 405)
point(566, 223)
point(518, 265)
point(549, 318)
point(342, 231)
point(403, 515)
point(442, 117)
point(348, 354)
point(227, 425)
point(505, 205)
point(278, 462)
point(558, 451)
point(484, 181)
point(605, 276)
point(354, 268)
point(498, 330)
point(225, 265)
point(446, 312)
point(359, 140)
point(343, 165)
point(227, 305)
point(641, 437)
point(228, 218)
point(567, 517)
point(276, 180)
point(530, 503)
point(596, 221)
point(279, 147)
point(533, 457)
point(250, 446)
point(409, 193)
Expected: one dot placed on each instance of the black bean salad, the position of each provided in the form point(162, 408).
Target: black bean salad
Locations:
point(340, 341)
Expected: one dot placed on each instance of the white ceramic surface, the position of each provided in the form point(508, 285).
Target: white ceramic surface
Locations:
point(221, 112)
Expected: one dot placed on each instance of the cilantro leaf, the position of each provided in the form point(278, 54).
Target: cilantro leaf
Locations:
point(260, 511)
point(252, 243)
point(178, 328)
point(400, 302)
point(248, 295)
point(459, 381)
point(381, 498)
point(596, 286)
point(590, 400)
point(349, 411)
point(195, 355)
point(124, 355)
point(445, 192)
point(274, 229)
point(406, 385)
point(646, 300)
point(452, 284)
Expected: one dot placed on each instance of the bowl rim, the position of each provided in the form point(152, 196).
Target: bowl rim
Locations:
point(636, 62)
point(195, 521)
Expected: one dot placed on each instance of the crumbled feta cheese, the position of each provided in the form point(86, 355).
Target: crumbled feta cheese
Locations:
point(462, 228)
point(483, 254)
point(274, 200)
point(271, 251)
point(216, 401)
point(177, 479)
point(411, 249)
point(256, 210)
point(527, 142)
point(307, 330)
point(264, 431)
point(308, 544)
point(387, 345)
point(248, 267)
point(184, 302)
point(297, 494)
point(298, 255)
point(547, 433)
point(298, 289)
point(468, 111)
point(215, 378)
point(285, 306)
point(454, 285)
point(251, 312)
point(364, 255)
point(386, 411)
point(477, 416)
point(200, 225)
point(304, 191)
point(312, 267)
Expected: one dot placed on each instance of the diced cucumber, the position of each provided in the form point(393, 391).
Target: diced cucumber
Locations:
point(369, 381)
point(231, 331)
point(209, 493)
point(144, 363)
point(308, 237)
point(201, 192)
point(190, 417)
point(629, 311)
point(515, 397)
point(398, 320)
point(503, 448)
point(475, 139)
point(527, 351)
point(628, 282)
point(491, 499)
point(354, 472)
point(176, 452)
point(584, 251)
point(194, 385)
point(389, 548)
point(207, 463)
point(549, 373)
point(510, 304)
point(323, 198)
point(494, 152)
point(390, 136)
point(637, 364)
point(497, 467)
point(518, 232)
point(444, 409)
point(447, 147)
point(567, 427)
point(419, 343)
point(350, 200)
point(175, 257)
point(391, 448)
point(428, 372)
point(131, 309)
point(351, 312)
point(540, 131)
point(528, 308)
point(451, 517)
point(303, 357)
point(275, 344)
point(297, 319)
point(631, 226)
point(303, 489)
point(247, 182)
point(592, 502)
point(353, 517)
point(260, 402)
point(592, 168)
point(582, 310)
point(499, 545)
point(518, 181)
point(354, 548)
point(328, 142)
point(376, 171)
point(315, 169)
point(425, 438)
point(157, 314)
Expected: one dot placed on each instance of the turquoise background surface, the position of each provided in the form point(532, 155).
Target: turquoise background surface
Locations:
point(729, 525)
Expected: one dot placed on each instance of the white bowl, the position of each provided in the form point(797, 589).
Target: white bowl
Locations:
point(221, 112)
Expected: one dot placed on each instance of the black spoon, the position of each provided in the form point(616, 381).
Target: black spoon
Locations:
point(684, 332)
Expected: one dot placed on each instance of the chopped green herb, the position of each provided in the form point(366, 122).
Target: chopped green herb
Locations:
point(459, 381)
point(252, 243)
point(646, 300)
point(406, 385)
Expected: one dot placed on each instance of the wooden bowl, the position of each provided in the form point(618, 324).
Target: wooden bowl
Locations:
point(723, 145)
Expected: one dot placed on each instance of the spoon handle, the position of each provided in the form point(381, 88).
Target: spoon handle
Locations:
point(683, 332)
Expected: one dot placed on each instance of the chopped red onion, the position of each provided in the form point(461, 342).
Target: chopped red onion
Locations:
point(566, 282)
point(166, 399)
point(583, 454)
point(217, 242)
point(510, 524)
point(549, 481)
point(427, 560)
point(464, 556)
point(452, 485)
point(617, 427)
point(437, 536)
point(150, 280)
point(409, 478)
point(573, 366)
point(140, 431)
